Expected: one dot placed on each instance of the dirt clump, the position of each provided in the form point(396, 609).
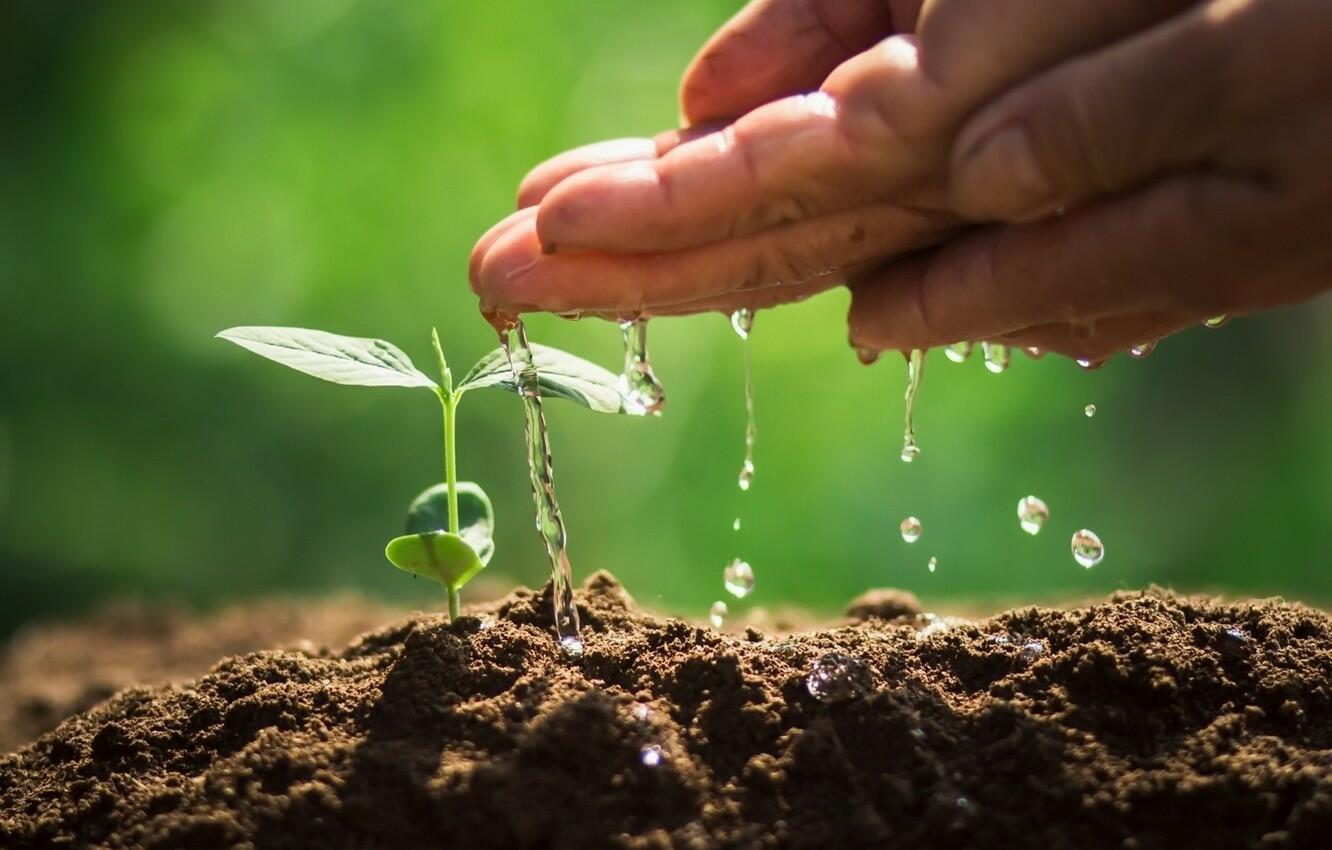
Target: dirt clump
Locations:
point(1148, 720)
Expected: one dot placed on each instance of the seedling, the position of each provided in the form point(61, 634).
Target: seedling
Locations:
point(450, 526)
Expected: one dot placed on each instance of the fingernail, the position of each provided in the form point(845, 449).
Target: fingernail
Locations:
point(1001, 177)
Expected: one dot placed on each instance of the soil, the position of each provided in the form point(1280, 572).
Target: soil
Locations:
point(1147, 720)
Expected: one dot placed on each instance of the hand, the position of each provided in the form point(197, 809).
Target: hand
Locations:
point(1194, 162)
point(800, 191)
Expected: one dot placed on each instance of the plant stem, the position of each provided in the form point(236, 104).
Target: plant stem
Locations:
point(455, 604)
point(450, 402)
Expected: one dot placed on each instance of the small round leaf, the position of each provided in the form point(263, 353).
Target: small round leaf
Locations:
point(476, 516)
point(439, 555)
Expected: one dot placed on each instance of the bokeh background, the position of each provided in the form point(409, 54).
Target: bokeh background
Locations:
point(170, 169)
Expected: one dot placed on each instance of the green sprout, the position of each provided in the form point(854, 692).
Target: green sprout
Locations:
point(450, 526)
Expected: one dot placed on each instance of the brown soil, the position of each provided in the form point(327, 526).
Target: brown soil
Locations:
point(1146, 721)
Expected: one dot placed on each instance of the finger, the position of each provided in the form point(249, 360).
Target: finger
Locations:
point(1160, 100)
point(1102, 339)
point(784, 162)
point(775, 48)
point(1166, 248)
point(540, 179)
point(516, 276)
point(520, 218)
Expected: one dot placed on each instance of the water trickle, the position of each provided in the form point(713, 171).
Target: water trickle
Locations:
point(838, 677)
point(1090, 410)
point(1217, 321)
point(717, 614)
point(650, 755)
point(915, 369)
point(1087, 548)
point(910, 529)
point(738, 577)
point(958, 351)
point(549, 521)
point(997, 356)
point(742, 321)
point(933, 564)
point(642, 391)
point(1032, 514)
point(1142, 349)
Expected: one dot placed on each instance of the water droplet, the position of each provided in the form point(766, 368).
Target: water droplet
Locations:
point(915, 369)
point(1034, 352)
point(1087, 548)
point(549, 520)
point(642, 712)
point(735, 526)
point(1236, 635)
point(867, 356)
point(958, 351)
point(738, 577)
point(1031, 651)
point(742, 321)
point(1090, 410)
point(933, 564)
point(746, 477)
point(1142, 349)
point(1032, 514)
point(997, 356)
point(930, 624)
point(1217, 321)
point(838, 677)
point(911, 529)
point(717, 614)
point(651, 755)
point(643, 393)
point(572, 645)
point(1091, 365)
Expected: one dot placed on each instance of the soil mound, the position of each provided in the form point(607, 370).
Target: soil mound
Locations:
point(1148, 720)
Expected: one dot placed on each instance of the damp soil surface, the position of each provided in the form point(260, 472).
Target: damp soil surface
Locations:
point(1147, 720)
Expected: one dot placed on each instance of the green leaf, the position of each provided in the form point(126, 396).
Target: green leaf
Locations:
point(439, 555)
point(340, 359)
point(559, 375)
point(476, 516)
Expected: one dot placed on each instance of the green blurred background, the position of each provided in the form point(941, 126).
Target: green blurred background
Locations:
point(171, 169)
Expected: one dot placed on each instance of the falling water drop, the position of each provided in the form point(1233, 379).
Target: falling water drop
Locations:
point(838, 677)
point(933, 564)
point(1087, 548)
point(958, 351)
point(717, 614)
point(915, 369)
point(642, 391)
point(1142, 349)
point(735, 525)
point(1032, 514)
point(549, 521)
point(742, 321)
point(911, 529)
point(1090, 410)
point(738, 577)
point(997, 356)
point(1217, 321)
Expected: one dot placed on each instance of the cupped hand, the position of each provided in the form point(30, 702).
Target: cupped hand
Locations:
point(837, 162)
point(1192, 163)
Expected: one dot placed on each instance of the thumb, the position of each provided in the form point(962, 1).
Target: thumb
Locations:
point(1097, 124)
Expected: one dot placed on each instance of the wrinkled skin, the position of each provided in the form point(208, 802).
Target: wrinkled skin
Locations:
point(1077, 175)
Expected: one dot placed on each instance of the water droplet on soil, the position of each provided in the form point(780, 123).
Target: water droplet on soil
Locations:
point(738, 578)
point(1031, 651)
point(838, 677)
point(1087, 548)
point(717, 614)
point(651, 755)
point(1032, 514)
point(911, 529)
